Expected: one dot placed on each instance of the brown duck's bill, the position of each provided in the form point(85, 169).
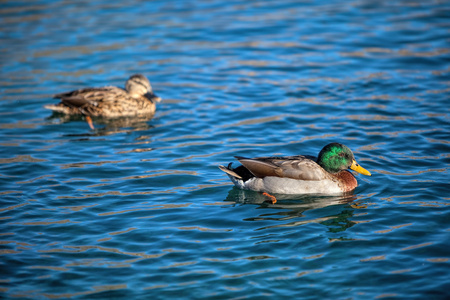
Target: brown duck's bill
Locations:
point(153, 97)
point(356, 167)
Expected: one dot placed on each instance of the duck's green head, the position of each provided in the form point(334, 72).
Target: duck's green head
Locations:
point(336, 157)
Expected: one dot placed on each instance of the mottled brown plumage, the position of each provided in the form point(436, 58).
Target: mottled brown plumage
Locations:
point(136, 99)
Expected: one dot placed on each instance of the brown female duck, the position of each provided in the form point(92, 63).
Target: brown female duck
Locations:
point(136, 99)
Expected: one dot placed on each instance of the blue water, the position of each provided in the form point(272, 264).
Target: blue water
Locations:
point(137, 209)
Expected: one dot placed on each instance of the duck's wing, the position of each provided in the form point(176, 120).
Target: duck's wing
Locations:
point(296, 167)
point(92, 96)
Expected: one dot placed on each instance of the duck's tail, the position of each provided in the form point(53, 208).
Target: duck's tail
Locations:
point(230, 171)
point(237, 179)
point(58, 108)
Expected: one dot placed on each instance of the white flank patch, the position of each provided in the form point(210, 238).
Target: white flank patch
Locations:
point(277, 185)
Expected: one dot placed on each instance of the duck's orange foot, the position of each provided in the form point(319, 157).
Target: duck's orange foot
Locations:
point(272, 198)
point(89, 121)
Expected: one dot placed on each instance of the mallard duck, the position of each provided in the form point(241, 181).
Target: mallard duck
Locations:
point(300, 174)
point(135, 100)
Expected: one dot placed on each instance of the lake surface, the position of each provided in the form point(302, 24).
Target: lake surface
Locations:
point(137, 208)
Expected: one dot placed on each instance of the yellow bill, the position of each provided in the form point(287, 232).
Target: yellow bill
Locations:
point(356, 167)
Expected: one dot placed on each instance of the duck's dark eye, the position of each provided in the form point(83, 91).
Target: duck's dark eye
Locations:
point(342, 154)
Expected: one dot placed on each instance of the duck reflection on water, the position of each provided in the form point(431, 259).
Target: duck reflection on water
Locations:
point(106, 126)
point(293, 208)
